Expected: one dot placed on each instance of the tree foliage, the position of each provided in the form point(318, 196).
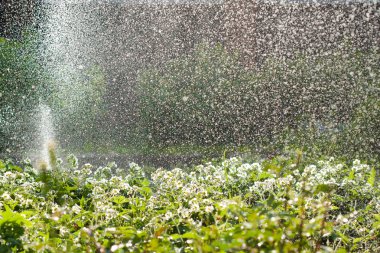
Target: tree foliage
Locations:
point(20, 84)
point(209, 98)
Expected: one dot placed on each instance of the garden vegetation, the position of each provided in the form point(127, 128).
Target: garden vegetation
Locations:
point(285, 204)
point(317, 102)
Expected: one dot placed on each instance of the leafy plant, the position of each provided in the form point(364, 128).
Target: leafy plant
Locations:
point(286, 204)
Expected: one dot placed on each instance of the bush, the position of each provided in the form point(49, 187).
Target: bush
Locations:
point(192, 99)
point(208, 97)
point(349, 128)
point(360, 136)
point(78, 107)
point(20, 86)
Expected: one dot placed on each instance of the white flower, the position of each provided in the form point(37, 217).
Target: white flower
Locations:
point(6, 196)
point(27, 202)
point(234, 159)
point(116, 247)
point(226, 203)
point(87, 169)
point(183, 212)
point(9, 175)
point(309, 170)
point(76, 209)
point(185, 98)
point(97, 190)
point(111, 213)
point(115, 180)
point(257, 167)
point(54, 208)
point(125, 186)
point(254, 188)
point(286, 181)
point(115, 191)
point(63, 231)
point(242, 175)
point(168, 215)
point(209, 209)
point(194, 206)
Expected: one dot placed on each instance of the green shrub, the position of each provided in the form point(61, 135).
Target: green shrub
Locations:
point(20, 85)
point(191, 99)
point(361, 135)
point(208, 98)
point(78, 107)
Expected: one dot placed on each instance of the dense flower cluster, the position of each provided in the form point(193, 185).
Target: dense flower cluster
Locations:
point(282, 205)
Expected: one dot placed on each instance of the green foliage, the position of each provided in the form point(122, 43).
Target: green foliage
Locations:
point(11, 229)
point(191, 99)
point(79, 106)
point(20, 83)
point(372, 177)
point(315, 102)
point(18, 79)
point(364, 127)
point(285, 204)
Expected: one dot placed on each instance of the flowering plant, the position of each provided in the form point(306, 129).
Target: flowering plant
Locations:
point(279, 205)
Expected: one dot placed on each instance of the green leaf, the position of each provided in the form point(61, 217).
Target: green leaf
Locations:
point(372, 177)
point(265, 175)
point(71, 188)
point(323, 188)
point(120, 200)
point(352, 175)
point(9, 216)
point(128, 232)
point(146, 191)
point(145, 183)
point(270, 200)
point(190, 235)
point(344, 238)
point(15, 168)
point(82, 202)
point(176, 236)
point(2, 164)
